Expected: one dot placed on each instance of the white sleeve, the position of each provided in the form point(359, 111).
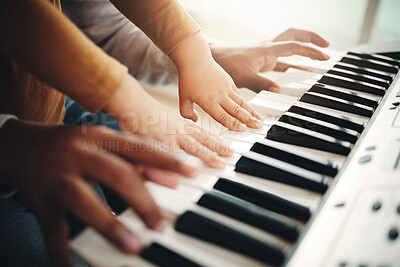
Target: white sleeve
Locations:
point(5, 190)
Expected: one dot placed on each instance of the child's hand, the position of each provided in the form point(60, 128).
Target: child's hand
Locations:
point(139, 113)
point(204, 82)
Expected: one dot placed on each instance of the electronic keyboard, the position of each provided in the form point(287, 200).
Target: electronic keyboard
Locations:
point(317, 185)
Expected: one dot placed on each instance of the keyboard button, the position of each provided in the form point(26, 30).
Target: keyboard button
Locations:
point(320, 126)
point(280, 171)
point(371, 72)
point(331, 118)
point(162, 256)
point(290, 134)
point(343, 94)
point(337, 104)
point(204, 228)
point(377, 57)
point(359, 77)
point(249, 213)
point(335, 80)
point(369, 63)
point(263, 199)
point(295, 156)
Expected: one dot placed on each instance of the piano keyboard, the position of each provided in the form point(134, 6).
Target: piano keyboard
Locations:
point(318, 185)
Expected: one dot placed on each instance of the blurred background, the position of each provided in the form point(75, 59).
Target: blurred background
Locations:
point(345, 23)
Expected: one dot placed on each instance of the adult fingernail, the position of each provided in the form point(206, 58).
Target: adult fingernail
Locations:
point(160, 226)
point(130, 242)
point(275, 89)
point(326, 56)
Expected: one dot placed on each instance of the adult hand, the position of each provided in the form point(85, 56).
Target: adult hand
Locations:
point(53, 168)
point(204, 82)
point(244, 62)
point(139, 113)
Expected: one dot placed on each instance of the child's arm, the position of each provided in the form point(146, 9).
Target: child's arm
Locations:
point(201, 79)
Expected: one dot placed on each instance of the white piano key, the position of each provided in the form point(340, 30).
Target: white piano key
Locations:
point(104, 254)
point(269, 108)
point(281, 98)
point(97, 251)
point(244, 137)
point(294, 89)
point(296, 75)
point(233, 159)
point(204, 181)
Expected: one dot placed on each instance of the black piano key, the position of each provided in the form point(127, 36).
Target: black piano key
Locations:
point(294, 135)
point(368, 63)
point(296, 157)
point(263, 199)
point(359, 77)
point(321, 115)
point(377, 57)
point(344, 94)
point(371, 72)
point(204, 228)
point(337, 104)
point(249, 213)
point(282, 172)
point(352, 84)
point(162, 256)
point(320, 126)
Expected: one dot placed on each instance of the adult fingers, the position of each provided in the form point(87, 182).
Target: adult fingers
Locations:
point(242, 114)
point(122, 177)
point(78, 197)
point(210, 141)
point(280, 66)
point(54, 230)
point(186, 109)
point(162, 177)
point(191, 146)
point(258, 83)
point(223, 117)
point(145, 151)
point(302, 36)
point(290, 48)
